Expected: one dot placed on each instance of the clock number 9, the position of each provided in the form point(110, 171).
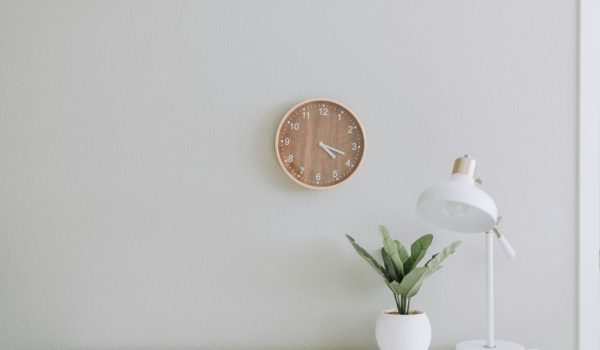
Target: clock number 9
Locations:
point(286, 141)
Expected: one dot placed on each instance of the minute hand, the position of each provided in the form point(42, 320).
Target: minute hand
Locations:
point(324, 147)
point(335, 150)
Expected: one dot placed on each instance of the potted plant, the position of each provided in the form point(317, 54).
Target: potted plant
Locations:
point(403, 328)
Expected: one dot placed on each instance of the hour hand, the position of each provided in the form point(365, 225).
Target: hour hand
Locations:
point(326, 149)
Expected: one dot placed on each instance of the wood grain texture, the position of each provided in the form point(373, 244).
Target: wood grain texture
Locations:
point(320, 143)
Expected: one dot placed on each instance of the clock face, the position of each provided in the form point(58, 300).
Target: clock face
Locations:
point(320, 143)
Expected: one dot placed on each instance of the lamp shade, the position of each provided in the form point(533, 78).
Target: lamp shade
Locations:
point(458, 205)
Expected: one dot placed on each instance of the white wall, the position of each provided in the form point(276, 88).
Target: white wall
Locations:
point(141, 204)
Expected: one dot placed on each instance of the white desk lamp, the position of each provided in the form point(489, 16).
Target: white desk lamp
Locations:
point(459, 205)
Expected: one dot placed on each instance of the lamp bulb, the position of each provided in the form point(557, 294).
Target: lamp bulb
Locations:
point(455, 209)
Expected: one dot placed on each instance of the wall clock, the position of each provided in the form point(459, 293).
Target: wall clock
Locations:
point(320, 143)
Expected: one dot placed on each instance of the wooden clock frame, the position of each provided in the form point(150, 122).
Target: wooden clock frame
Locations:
point(285, 118)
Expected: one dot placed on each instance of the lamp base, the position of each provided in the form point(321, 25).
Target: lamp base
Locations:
point(480, 345)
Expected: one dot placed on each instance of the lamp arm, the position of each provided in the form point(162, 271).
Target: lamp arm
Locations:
point(506, 247)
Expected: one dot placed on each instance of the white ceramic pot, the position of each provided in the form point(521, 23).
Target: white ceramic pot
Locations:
point(402, 332)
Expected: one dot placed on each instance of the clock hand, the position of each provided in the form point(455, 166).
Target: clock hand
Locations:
point(325, 148)
point(335, 150)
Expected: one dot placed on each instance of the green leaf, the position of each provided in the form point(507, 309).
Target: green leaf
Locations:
point(391, 248)
point(389, 265)
point(437, 258)
point(369, 259)
point(395, 287)
point(402, 251)
point(417, 252)
point(412, 282)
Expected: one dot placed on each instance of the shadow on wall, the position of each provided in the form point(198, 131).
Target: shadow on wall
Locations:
point(266, 165)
